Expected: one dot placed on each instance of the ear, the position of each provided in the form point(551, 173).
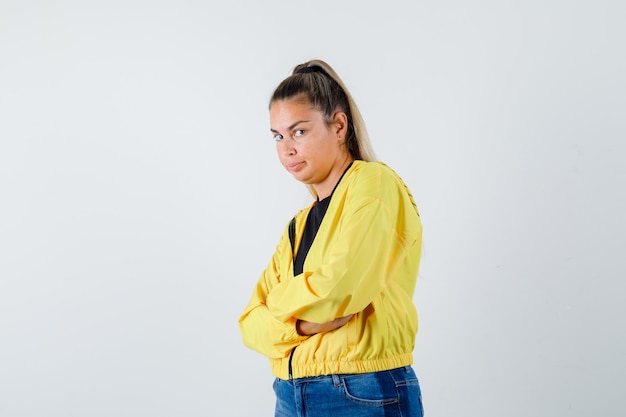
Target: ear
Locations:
point(340, 124)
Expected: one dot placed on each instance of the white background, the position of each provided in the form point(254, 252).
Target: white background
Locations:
point(140, 196)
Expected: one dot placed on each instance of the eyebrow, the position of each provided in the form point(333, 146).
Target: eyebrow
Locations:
point(290, 127)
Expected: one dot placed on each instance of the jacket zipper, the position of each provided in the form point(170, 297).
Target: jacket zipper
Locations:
point(290, 369)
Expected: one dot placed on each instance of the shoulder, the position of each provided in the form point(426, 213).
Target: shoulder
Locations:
point(378, 180)
point(374, 174)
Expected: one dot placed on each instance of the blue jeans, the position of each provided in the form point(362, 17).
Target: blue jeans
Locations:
point(387, 393)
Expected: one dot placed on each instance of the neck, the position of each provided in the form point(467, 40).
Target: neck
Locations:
point(327, 189)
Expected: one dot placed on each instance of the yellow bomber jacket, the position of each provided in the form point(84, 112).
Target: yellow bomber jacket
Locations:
point(364, 261)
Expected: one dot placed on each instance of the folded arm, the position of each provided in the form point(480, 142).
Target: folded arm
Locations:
point(353, 274)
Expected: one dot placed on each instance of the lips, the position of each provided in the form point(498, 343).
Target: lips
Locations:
point(295, 166)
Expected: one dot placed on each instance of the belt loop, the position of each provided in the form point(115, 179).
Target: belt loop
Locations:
point(336, 381)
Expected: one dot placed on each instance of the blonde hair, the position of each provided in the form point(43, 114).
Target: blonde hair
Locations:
point(327, 92)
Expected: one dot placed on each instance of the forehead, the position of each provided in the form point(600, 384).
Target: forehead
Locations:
point(285, 112)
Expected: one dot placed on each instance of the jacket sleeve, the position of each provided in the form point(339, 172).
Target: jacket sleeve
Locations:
point(369, 245)
point(260, 330)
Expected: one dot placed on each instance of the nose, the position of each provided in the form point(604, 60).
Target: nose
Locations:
point(287, 146)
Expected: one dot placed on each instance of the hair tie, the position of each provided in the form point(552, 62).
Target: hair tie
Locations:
point(306, 70)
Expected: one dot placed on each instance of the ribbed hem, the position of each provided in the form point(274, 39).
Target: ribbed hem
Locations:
point(302, 370)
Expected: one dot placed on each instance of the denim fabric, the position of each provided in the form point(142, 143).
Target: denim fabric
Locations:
point(387, 393)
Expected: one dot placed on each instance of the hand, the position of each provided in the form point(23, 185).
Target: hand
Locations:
point(307, 328)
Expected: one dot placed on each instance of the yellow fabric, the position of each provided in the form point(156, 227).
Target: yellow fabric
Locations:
point(364, 261)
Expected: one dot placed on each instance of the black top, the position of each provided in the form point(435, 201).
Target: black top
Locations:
point(312, 225)
point(313, 221)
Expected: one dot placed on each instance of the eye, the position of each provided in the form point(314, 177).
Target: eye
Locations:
point(278, 137)
point(298, 133)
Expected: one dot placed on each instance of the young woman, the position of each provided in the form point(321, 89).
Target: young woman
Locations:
point(333, 310)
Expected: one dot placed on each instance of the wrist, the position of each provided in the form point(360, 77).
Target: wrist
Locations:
point(299, 327)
